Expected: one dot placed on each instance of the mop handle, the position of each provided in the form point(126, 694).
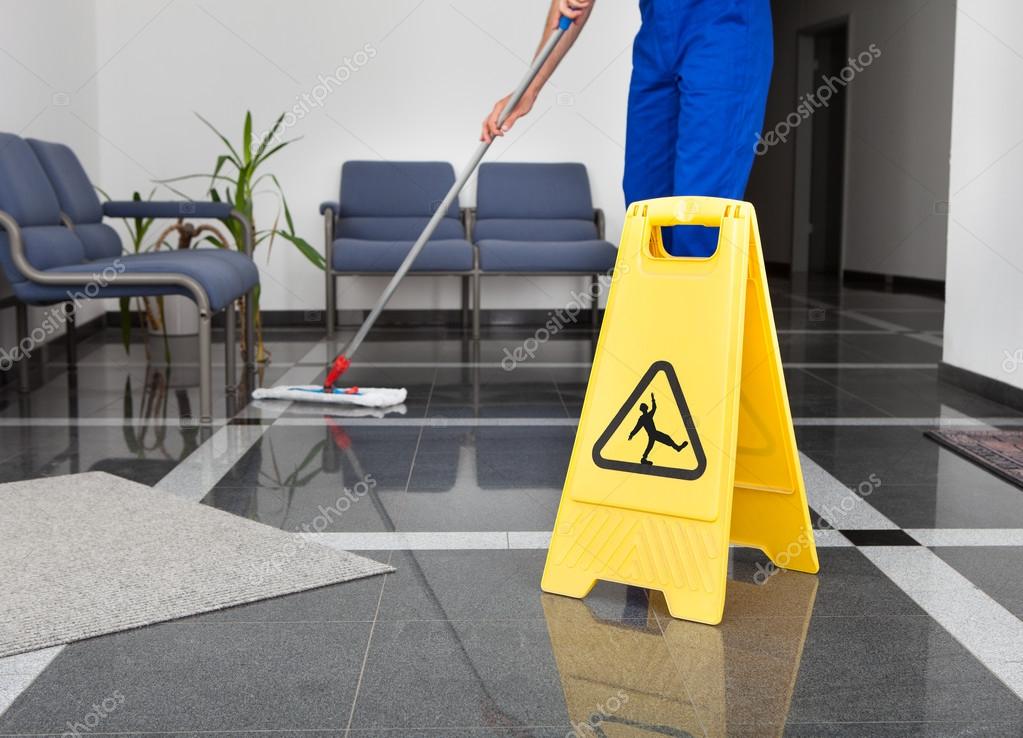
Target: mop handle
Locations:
point(563, 25)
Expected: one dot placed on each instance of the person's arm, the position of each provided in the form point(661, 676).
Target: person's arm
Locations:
point(579, 11)
point(653, 404)
point(639, 424)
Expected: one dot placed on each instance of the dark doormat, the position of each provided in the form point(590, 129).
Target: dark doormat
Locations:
point(1000, 452)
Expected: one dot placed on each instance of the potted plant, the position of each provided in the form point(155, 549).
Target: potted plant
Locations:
point(238, 176)
point(150, 313)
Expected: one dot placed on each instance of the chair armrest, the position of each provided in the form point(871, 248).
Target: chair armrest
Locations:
point(330, 205)
point(166, 209)
point(16, 245)
point(181, 209)
point(598, 218)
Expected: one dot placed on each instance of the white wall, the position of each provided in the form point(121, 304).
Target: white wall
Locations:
point(984, 289)
point(48, 89)
point(437, 69)
point(898, 128)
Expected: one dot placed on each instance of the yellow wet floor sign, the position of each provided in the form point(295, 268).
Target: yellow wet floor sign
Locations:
point(685, 441)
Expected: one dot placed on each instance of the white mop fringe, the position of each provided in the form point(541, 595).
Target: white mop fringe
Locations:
point(332, 411)
point(366, 397)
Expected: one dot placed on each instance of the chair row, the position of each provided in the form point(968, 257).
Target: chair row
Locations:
point(56, 249)
point(529, 219)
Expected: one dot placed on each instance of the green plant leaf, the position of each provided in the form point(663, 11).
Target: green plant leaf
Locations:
point(303, 246)
point(236, 159)
point(247, 137)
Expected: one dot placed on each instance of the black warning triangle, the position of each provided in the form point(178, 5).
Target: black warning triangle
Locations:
point(621, 416)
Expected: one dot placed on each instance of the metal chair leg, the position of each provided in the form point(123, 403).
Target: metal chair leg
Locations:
point(230, 346)
point(476, 306)
point(21, 323)
point(205, 368)
point(465, 302)
point(595, 301)
point(250, 329)
point(70, 336)
point(331, 302)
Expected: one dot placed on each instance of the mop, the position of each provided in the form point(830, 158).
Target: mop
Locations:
point(384, 396)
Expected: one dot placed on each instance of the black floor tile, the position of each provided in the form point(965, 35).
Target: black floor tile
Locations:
point(888, 537)
point(893, 347)
point(487, 478)
point(912, 393)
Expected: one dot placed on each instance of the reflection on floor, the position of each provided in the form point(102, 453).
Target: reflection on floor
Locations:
point(912, 627)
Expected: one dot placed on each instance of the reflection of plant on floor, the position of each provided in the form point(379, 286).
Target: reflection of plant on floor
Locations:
point(236, 178)
point(141, 434)
point(288, 483)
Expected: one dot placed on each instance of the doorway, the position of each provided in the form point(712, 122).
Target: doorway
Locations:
point(820, 152)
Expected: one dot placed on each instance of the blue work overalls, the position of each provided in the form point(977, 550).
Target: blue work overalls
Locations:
point(700, 73)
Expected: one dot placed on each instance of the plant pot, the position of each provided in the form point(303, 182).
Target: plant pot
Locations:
point(180, 313)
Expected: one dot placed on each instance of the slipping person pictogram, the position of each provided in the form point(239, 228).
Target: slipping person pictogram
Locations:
point(646, 422)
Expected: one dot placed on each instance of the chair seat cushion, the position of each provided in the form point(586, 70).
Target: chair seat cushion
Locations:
point(546, 256)
point(221, 275)
point(357, 255)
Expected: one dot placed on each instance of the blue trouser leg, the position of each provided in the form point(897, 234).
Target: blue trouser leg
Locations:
point(701, 71)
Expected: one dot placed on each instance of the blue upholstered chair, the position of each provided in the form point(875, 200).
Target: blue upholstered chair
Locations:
point(55, 249)
point(383, 208)
point(538, 219)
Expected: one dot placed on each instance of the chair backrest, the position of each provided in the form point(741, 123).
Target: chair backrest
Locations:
point(26, 194)
point(534, 202)
point(77, 198)
point(393, 200)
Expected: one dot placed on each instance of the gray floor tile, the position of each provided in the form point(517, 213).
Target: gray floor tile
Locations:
point(195, 677)
point(435, 674)
point(994, 569)
point(864, 669)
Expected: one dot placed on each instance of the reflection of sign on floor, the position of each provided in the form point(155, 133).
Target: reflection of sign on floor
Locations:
point(678, 678)
point(645, 437)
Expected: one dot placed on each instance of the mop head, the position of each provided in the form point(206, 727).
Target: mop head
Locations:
point(362, 396)
point(332, 411)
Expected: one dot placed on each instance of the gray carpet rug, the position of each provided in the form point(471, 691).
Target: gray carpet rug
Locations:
point(87, 554)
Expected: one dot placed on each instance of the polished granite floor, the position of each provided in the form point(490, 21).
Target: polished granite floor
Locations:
point(912, 627)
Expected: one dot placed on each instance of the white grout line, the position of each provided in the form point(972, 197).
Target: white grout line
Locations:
point(439, 421)
point(858, 365)
point(478, 540)
point(985, 628)
point(412, 541)
point(359, 417)
point(837, 504)
point(967, 536)
point(587, 365)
